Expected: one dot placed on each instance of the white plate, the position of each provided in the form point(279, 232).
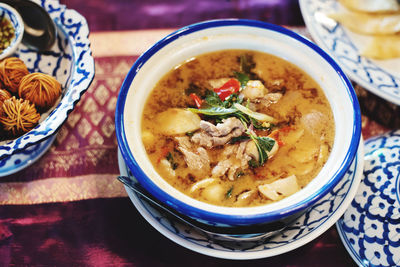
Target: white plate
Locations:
point(370, 227)
point(313, 223)
point(381, 77)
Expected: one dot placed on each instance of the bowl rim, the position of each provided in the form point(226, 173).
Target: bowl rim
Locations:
point(19, 30)
point(81, 53)
point(150, 186)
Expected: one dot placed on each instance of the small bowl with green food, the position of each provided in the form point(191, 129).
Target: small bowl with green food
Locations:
point(11, 30)
point(237, 123)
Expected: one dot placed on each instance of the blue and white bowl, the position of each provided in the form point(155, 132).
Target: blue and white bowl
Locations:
point(370, 227)
point(217, 35)
point(70, 61)
point(15, 19)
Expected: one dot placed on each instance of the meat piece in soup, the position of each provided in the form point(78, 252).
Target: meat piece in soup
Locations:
point(237, 128)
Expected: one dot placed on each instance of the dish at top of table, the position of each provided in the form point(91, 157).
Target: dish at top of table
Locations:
point(378, 19)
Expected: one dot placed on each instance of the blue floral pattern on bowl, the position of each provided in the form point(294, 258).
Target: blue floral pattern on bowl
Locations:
point(319, 218)
point(370, 228)
point(380, 78)
point(70, 61)
point(24, 158)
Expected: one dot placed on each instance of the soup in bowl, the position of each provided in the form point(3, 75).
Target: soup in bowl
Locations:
point(237, 122)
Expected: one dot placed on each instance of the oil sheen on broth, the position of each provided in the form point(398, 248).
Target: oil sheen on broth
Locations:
point(237, 128)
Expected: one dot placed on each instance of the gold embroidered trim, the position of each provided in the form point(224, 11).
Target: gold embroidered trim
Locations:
point(61, 189)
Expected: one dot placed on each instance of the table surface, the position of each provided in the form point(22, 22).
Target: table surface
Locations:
point(69, 209)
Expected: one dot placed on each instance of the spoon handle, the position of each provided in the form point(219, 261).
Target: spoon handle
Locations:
point(258, 229)
point(136, 187)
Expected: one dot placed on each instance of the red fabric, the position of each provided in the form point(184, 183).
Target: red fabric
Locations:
point(106, 232)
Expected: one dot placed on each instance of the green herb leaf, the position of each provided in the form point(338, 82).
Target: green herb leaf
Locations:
point(257, 125)
point(190, 134)
point(214, 111)
point(246, 63)
point(264, 146)
point(253, 163)
point(253, 114)
point(263, 156)
point(240, 173)
point(232, 99)
point(242, 77)
point(238, 139)
point(170, 158)
point(266, 143)
point(193, 89)
point(229, 192)
point(212, 99)
point(242, 117)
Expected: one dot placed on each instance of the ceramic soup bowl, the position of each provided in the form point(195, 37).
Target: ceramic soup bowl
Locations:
point(216, 35)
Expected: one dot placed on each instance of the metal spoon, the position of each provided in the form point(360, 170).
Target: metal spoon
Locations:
point(237, 233)
point(40, 32)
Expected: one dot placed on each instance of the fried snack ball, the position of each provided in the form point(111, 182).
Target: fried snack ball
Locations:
point(12, 70)
point(18, 116)
point(4, 95)
point(40, 89)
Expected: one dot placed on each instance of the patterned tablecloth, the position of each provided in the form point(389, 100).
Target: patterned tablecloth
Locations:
point(69, 209)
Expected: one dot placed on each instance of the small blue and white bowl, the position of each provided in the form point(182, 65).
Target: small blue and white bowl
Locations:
point(370, 227)
point(209, 36)
point(70, 61)
point(16, 21)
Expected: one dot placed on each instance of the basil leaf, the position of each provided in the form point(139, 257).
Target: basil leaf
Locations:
point(246, 63)
point(232, 99)
point(171, 160)
point(266, 143)
point(229, 192)
point(257, 125)
point(193, 89)
point(212, 99)
point(190, 134)
point(214, 111)
point(242, 78)
point(262, 154)
point(256, 115)
point(253, 163)
point(239, 138)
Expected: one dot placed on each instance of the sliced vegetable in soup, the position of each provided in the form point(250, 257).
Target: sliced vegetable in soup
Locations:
point(237, 128)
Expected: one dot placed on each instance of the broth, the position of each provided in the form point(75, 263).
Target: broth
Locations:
point(237, 128)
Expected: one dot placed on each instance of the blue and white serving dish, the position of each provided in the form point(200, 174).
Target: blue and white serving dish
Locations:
point(318, 218)
point(70, 61)
point(217, 35)
point(381, 77)
point(9, 13)
point(370, 227)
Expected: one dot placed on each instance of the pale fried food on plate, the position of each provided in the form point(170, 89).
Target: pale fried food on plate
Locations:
point(374, 6)
point(383, 47)
point(379, 19)
point(368, 23)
